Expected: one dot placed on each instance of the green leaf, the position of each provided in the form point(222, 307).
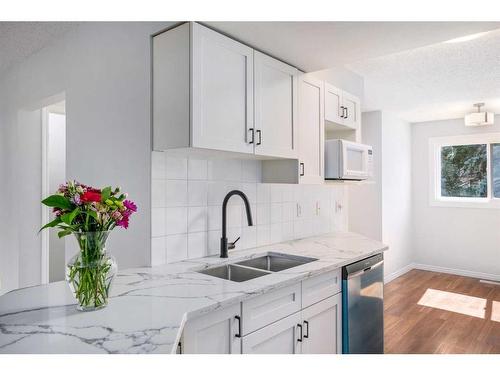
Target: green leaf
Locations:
point(70, 216)
point(63, 233)
point(58, 201)
point(52, 224)
point(105, 193)
point(91, 214)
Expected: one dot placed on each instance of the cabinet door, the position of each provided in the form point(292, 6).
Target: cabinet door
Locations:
point(281, 337)
point(352, 110)
point(311, 129)
point(222, 92)
point(333, 102)
point(322, 324)
point(213, 333)
point(275, 107)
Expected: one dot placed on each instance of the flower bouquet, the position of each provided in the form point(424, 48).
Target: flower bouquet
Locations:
point(90, 214)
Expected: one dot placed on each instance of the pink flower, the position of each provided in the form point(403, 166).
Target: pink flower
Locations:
point(130, 205)
point(123, 223)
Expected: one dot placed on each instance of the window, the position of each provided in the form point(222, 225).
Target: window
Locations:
point(465, 171)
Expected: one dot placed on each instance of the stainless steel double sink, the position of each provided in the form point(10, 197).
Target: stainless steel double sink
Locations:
point(256, 267)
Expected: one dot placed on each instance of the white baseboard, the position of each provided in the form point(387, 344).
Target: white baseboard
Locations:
point(398, 273)
point(452, 271)
point(455, 271)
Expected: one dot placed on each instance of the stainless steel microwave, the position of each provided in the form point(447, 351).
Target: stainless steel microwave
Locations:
point(345, 160)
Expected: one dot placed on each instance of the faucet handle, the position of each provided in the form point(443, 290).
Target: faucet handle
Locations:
point(232, 245)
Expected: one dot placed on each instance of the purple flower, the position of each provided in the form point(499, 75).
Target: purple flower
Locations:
point(130, 205)
point(76, 199)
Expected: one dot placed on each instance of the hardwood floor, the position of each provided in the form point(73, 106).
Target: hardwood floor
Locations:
point(411, 327)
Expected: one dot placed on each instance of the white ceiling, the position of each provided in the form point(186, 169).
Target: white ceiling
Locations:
point(19, 40)
point(406, 68)
point(436, 82)
point(314, 46)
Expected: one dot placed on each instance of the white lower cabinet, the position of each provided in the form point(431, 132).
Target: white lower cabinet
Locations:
point(302, 318)
point(322, 327)
point(214, 333)
point(281, 337)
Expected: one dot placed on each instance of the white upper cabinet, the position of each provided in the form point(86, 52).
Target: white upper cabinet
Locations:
point(333, 102)
point(275, 107)
point(209, 106)
point(311, 133)
point(341, 108)
point(203, 95)
point(351, 104)
point(222, 91)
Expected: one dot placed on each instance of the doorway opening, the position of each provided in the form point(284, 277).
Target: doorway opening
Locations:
point(53, 174)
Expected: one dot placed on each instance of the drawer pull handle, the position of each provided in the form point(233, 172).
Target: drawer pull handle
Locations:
point(300, 336)
point(237, 317)
point(306, 324)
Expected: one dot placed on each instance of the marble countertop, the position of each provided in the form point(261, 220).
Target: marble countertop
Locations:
point(149, 306)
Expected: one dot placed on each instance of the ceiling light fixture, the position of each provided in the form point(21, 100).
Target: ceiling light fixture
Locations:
point(466, 38)
point(479, 118)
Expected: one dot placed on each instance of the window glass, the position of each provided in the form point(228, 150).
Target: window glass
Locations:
point(495, 166)
point(464, 171)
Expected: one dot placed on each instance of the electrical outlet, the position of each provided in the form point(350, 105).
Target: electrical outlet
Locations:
point(299, 210)
point(318, 208)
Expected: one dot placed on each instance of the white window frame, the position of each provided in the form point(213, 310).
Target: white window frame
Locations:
point(435, 145)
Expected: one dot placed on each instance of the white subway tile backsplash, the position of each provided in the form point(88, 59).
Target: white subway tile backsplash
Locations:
point(197, 245)
point(197, 169)
point(157, 222)
point(175, 168)
point(176, 247)
point(276, 213)
point(197, 193)
point(176, 220)
point(176, 193)
point(263, 214)
point(197, 219)
point(276, 233)
point(263, 235)
point(287, 230)
point(157, 165)
point(248, 237)
point(289, 211)
point(158, 193)
point(224, 170)
point(187, 197)
point(158, 251)
point(214, 217)
point(276, 193)
point(263, 193)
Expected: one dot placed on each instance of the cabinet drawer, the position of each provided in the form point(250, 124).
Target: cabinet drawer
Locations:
point(270, 307)
point(320, 287)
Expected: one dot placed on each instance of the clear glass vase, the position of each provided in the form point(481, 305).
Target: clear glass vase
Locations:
point(91, 271)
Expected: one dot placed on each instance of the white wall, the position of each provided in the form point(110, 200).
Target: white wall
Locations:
point(365, 200)
point(453, 238)
point(104, 71)
point(381, 208)
point(397, 227)
point(187, 197)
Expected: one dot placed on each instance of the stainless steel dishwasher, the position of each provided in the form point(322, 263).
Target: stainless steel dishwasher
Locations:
point(363, 306)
